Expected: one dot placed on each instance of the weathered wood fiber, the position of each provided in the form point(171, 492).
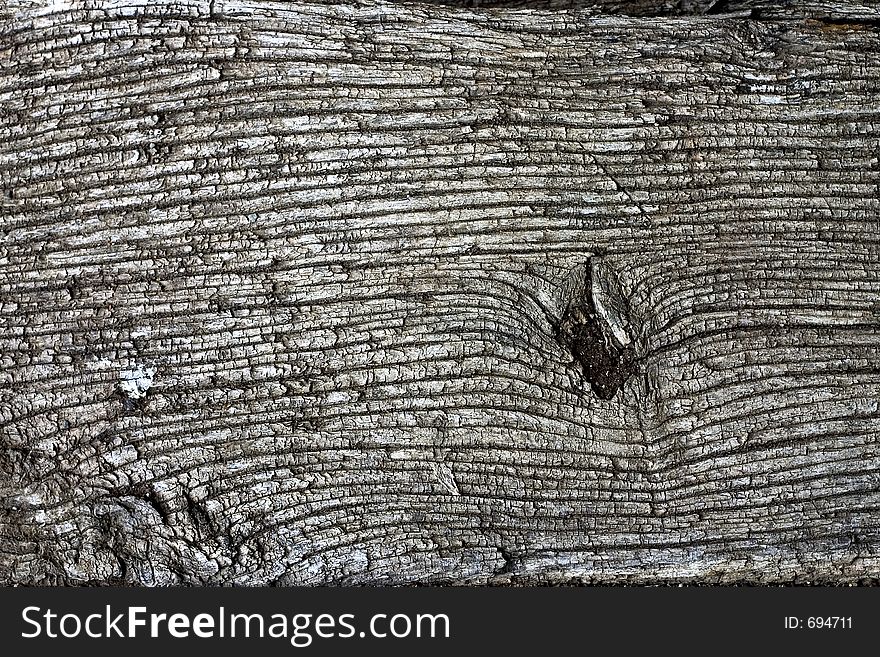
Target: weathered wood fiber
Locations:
point(836, 10)
point(383, 293)
point(868, 10)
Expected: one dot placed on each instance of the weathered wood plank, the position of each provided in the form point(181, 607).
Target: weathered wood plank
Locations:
point(868, 10)
point(309, 293)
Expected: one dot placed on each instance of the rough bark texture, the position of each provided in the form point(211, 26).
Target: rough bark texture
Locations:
point(386, 293)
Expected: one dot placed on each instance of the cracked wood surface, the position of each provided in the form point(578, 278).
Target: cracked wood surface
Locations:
point(388, 293)
point(866, 11)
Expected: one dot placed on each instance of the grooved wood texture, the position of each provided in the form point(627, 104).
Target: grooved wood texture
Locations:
point(313, 293)
point(867, 10)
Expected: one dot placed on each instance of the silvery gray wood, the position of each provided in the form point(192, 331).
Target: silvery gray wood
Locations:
point(385, 293)
point(866, 11)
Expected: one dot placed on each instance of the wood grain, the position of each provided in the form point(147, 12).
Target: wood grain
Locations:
point(303, 293)
point(834, 10)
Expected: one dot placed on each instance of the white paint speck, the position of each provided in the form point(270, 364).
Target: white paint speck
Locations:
point(121, 456)
point(46, 7)
point(135, 382)
point(336, 397)
point(60, 5)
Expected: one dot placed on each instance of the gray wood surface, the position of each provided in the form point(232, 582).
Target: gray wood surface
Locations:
point(835, 10)
point(307, 293)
